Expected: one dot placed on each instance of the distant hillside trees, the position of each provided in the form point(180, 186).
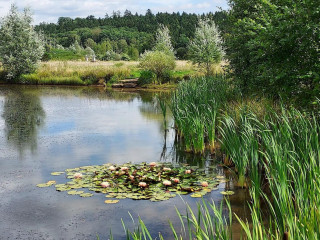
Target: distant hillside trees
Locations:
point(20, 46)
point(138, 31)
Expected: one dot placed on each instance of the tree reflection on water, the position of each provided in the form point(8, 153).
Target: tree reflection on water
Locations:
point(23, 115)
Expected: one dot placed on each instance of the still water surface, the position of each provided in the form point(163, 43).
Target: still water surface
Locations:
point(47, 129)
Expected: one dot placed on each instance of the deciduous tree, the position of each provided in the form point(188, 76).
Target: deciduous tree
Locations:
point(206, 47)
point(21, 47)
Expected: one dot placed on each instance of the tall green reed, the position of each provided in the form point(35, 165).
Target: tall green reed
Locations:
point(208, 222)
point(195, 106)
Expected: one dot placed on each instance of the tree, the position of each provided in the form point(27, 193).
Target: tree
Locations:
point(273, 47)
point(158, 62)
point(161, 60)
point(21, 47)
point(163, 40)
point(206, 47)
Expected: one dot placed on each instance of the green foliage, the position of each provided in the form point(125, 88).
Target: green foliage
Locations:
point(34, 79)
point(195, 106)
point(63, 55)
point(273, 46)
point(137, 30)
point(146, 77)
point(75, 73)
point(160, 63)
point(20, 46)
point(161, 60)
point(133, 53)
point(206, 47)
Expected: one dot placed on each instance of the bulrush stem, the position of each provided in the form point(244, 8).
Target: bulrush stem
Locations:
point(241, 181)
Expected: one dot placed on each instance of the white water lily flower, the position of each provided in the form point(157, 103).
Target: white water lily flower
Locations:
point(105, 184)
point(152, 164)
point(167, 183)
point(204, 184)
point(112, 168)
point(78, 175)
point(142, 184)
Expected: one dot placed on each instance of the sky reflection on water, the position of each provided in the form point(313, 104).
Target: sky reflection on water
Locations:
point(47, 129)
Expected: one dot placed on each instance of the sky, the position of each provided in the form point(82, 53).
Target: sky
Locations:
point(51, 10)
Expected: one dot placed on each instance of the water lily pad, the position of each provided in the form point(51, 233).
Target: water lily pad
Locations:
point(196, 195)
point(111, 201)
point(220, 177)
point(125, 181)
point(224, 180)
point(86, 195)
point(74, 192)
point(42, 185)
point(50, 183)
point(57, 173)
point(227, 193)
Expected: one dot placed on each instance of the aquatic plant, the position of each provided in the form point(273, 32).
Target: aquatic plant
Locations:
point(195, 107)
point(208, 222)
point(153, 181)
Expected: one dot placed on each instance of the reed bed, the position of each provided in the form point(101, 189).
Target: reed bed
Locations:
point(195, 107)
point(275, 152)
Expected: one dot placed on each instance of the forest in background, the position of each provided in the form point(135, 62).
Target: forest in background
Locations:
point(120, 36)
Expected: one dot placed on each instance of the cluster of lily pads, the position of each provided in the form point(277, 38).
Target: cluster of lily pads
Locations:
point(153, 181)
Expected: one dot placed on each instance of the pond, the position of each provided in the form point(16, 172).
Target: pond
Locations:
point(50, 129)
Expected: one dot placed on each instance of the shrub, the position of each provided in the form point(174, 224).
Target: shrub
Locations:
point(146, 77)
point(158, 62)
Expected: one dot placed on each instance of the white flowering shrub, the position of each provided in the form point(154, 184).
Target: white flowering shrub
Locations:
point(163, 40)
point(21, 47)
point(206, 47)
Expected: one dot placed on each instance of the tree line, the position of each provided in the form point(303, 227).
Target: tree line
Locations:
point(271, 46)
point(125, 35)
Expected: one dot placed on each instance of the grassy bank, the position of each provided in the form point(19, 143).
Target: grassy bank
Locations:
point(98, 73)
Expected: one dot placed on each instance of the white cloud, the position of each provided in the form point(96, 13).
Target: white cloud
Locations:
point(51, 10)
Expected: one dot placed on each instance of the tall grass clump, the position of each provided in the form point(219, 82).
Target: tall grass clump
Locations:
point(75, 73)
point(195, 107)
point(283, 150)
point(292, 163)
point(208, 222)
point(239, 130)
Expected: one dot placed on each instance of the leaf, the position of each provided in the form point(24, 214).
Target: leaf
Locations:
point(50, 183)
point(111, 201)
point(57, 173)
point(86, 195)
point(73, 192)
point(220, 177)
point(196, 195)
point(42, 185)
point(227, 193)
